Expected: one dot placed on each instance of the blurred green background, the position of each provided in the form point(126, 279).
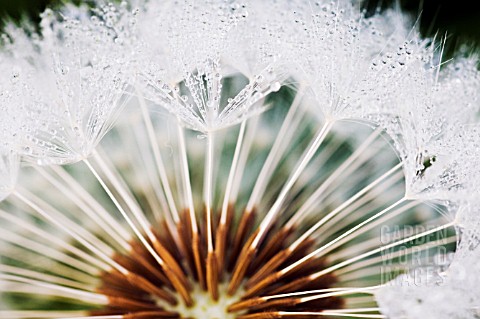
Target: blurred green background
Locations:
point(459, 19)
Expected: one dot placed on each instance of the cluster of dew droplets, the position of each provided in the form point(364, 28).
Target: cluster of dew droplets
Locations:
point(9, 161)
point(417, 111)
point(442, 154)
point(73, 89)
point(118, 22)
point(198, 43)
point(192, 61)
point(337, 47)
point(13, 94)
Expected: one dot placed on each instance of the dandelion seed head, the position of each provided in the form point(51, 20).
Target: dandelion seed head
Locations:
point(271, 161)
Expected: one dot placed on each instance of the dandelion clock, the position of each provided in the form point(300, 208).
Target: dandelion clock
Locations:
point(235, 159)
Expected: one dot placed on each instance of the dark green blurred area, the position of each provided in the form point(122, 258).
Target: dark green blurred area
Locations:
point(458, 19)
point(22, 8)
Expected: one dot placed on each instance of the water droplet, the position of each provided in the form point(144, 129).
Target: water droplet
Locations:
point(275, 87)
point(15, 76)
point(165, 88)
point(64, 69)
